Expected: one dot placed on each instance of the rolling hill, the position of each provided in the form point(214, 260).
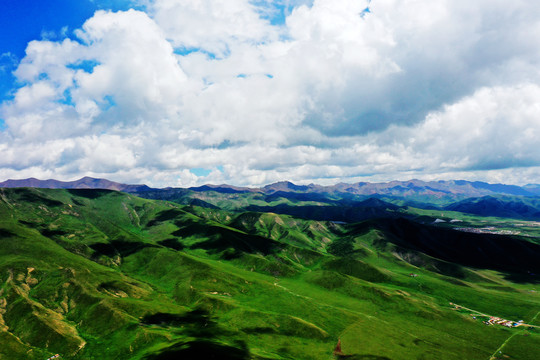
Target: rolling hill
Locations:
point(99, 274)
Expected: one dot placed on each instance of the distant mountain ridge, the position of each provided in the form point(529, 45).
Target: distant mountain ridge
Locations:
point(442, 188)
point(83, 183)
point(414, 187)
point(410, 187)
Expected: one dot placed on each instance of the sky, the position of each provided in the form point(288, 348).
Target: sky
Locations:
point(188, 92)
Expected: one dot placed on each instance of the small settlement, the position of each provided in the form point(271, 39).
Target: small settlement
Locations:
point(492, 320)
point(508, 323)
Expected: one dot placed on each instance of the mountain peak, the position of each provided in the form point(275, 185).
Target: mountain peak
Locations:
point(284, 186)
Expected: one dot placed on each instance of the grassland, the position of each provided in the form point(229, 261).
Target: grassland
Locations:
point(94, 274)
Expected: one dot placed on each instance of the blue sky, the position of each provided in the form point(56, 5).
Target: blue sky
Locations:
point(184, 92)
point(22, 21)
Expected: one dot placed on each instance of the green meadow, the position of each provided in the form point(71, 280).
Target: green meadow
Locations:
point(97, 274)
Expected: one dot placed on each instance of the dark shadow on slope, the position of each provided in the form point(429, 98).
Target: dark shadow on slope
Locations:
point(201, 203)
point(218, 239)
point(119, 247)
point(433, 264)
point(197, 323)
point(168, 214)
point(31, 196)
point(510, 254)
point(362, 357)
point(172, 244)
point(90, 193)
point(30, 224)
point(508, 207)
point(347, 211)
point(52, 233)
point(5, 233)
point(165, 215)
point(224, 239)
point(202, 349)
point(529, 277)
point(357, 269)
point(77, 202)
point(43, 230)
point(171, 194)
point(344, 247)
point(199, 317)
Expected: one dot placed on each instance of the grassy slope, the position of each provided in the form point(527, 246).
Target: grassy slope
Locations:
point(98, 274)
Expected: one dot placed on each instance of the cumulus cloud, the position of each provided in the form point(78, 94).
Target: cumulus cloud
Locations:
point(260, 91)
point(212, 26)
point(495, 128)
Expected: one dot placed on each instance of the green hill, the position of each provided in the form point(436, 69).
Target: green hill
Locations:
point(98, 274)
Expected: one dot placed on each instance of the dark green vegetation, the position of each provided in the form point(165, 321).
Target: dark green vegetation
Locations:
point(501, 206)
point(97, 274)
point(360, 201)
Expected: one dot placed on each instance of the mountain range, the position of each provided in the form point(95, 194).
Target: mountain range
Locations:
point(412, 188)
point(341, 202)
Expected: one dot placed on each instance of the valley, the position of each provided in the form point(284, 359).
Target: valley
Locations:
point(100, 274)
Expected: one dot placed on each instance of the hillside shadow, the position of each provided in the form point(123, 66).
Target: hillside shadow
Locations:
point(202, 349)
point(241, 243)
point(344, 210)
point(200, 325)
point(52, 233)
point(451, 249)
point(219, 239)
point(89, 193)
point(32, 197)
point(173, 243)
point(119, 247)
point(4, 233)
point(362, 357)
point(199, 318)
point(165, 215)
point(523, 278)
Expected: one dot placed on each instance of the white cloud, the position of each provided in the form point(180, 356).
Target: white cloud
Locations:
point(416, 89)
point(493, 128)
point(211, 25)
